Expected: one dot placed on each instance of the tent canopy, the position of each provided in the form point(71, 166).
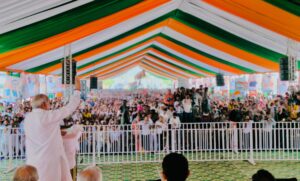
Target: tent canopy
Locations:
point(171, 38)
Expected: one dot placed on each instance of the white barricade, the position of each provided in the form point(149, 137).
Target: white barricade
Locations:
point(197, 141)
point(12, 148)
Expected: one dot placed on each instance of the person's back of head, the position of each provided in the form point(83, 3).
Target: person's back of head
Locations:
point(40, 101)
point(263, 175)
point(175, 167)
point(26, 173)
point(90, 174)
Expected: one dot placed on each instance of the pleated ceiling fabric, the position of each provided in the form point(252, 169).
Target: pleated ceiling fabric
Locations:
point(174, 38)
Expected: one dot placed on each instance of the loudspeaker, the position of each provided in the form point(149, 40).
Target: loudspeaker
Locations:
point(68, 71)
point(93, 83)
point(220, 80)
point(284, 68)
point(288, 68)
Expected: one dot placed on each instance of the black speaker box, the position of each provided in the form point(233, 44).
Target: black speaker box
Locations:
point(284, 68)
point(93, 83)
point(220, 80)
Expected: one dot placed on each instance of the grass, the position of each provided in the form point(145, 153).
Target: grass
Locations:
point(200, 170)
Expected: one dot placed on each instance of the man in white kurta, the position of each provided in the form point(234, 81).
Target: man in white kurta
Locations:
point(44, 144)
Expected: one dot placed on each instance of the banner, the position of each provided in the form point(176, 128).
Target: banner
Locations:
point(2, 83)
point(12, 87)
point(268, 84)
point(282, 86)
point(31, 85)
point(136, 78)
point(51, 84)
point(43, 85)
point(241, 87)
point(59, 86)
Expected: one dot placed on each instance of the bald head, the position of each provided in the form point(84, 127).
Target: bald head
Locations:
point(90, 174)
point(40, 101)
point(26, 173)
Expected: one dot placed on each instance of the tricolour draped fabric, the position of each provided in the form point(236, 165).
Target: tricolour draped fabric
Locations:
point(172, 38)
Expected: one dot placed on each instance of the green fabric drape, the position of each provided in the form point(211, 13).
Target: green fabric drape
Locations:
point(227, 37)
point(159, 70)
point(175, 41)
point(179, 67)
point(14, 74)
point(152, 46)
point(61, 23)
point(180, 59)
point(195, 23)
point(158, 76)
point(135, 30)
point(292, 6)
point(211, 56)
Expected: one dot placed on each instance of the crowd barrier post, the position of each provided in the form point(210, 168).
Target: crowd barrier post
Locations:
point(10, 167)
point(222, 141)
point(251, 159)
point(94, 146)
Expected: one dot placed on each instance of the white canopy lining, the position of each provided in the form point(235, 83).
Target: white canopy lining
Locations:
point(24, 11)
point(228, 22)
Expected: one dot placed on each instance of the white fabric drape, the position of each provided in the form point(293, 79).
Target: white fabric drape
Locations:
point(20, 10)
point(99, 37)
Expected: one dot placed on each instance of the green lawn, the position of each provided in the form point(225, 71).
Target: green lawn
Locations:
point(225, 170)
point(205, 170)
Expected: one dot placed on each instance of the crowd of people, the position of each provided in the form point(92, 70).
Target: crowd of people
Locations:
point(189, 105)
point(148, 116)
point(154, 112)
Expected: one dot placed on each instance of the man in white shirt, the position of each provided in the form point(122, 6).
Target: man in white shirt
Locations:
point(187, 109)
point(145, 132)
point(164, 113)
point(178, 108)
point(77, 116)
point(115, 135)
point(174, 121)
point(197, 98)
point(5, 131)
point(268, 123)
point(44, 144)
point(170, 112)
point(248, 125)
point(175, 133)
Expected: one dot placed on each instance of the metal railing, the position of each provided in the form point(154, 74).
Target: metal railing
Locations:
point(144, 143)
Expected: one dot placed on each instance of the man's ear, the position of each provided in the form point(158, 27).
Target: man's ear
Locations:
point(43, 105)
point(163, 176)
point(63, 132)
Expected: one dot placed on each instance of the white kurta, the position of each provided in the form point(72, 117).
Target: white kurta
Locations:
point(71, 144)
point(174, 122)
point(44, 144)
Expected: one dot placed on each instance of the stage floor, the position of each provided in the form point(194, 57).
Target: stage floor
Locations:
point(206, 171)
